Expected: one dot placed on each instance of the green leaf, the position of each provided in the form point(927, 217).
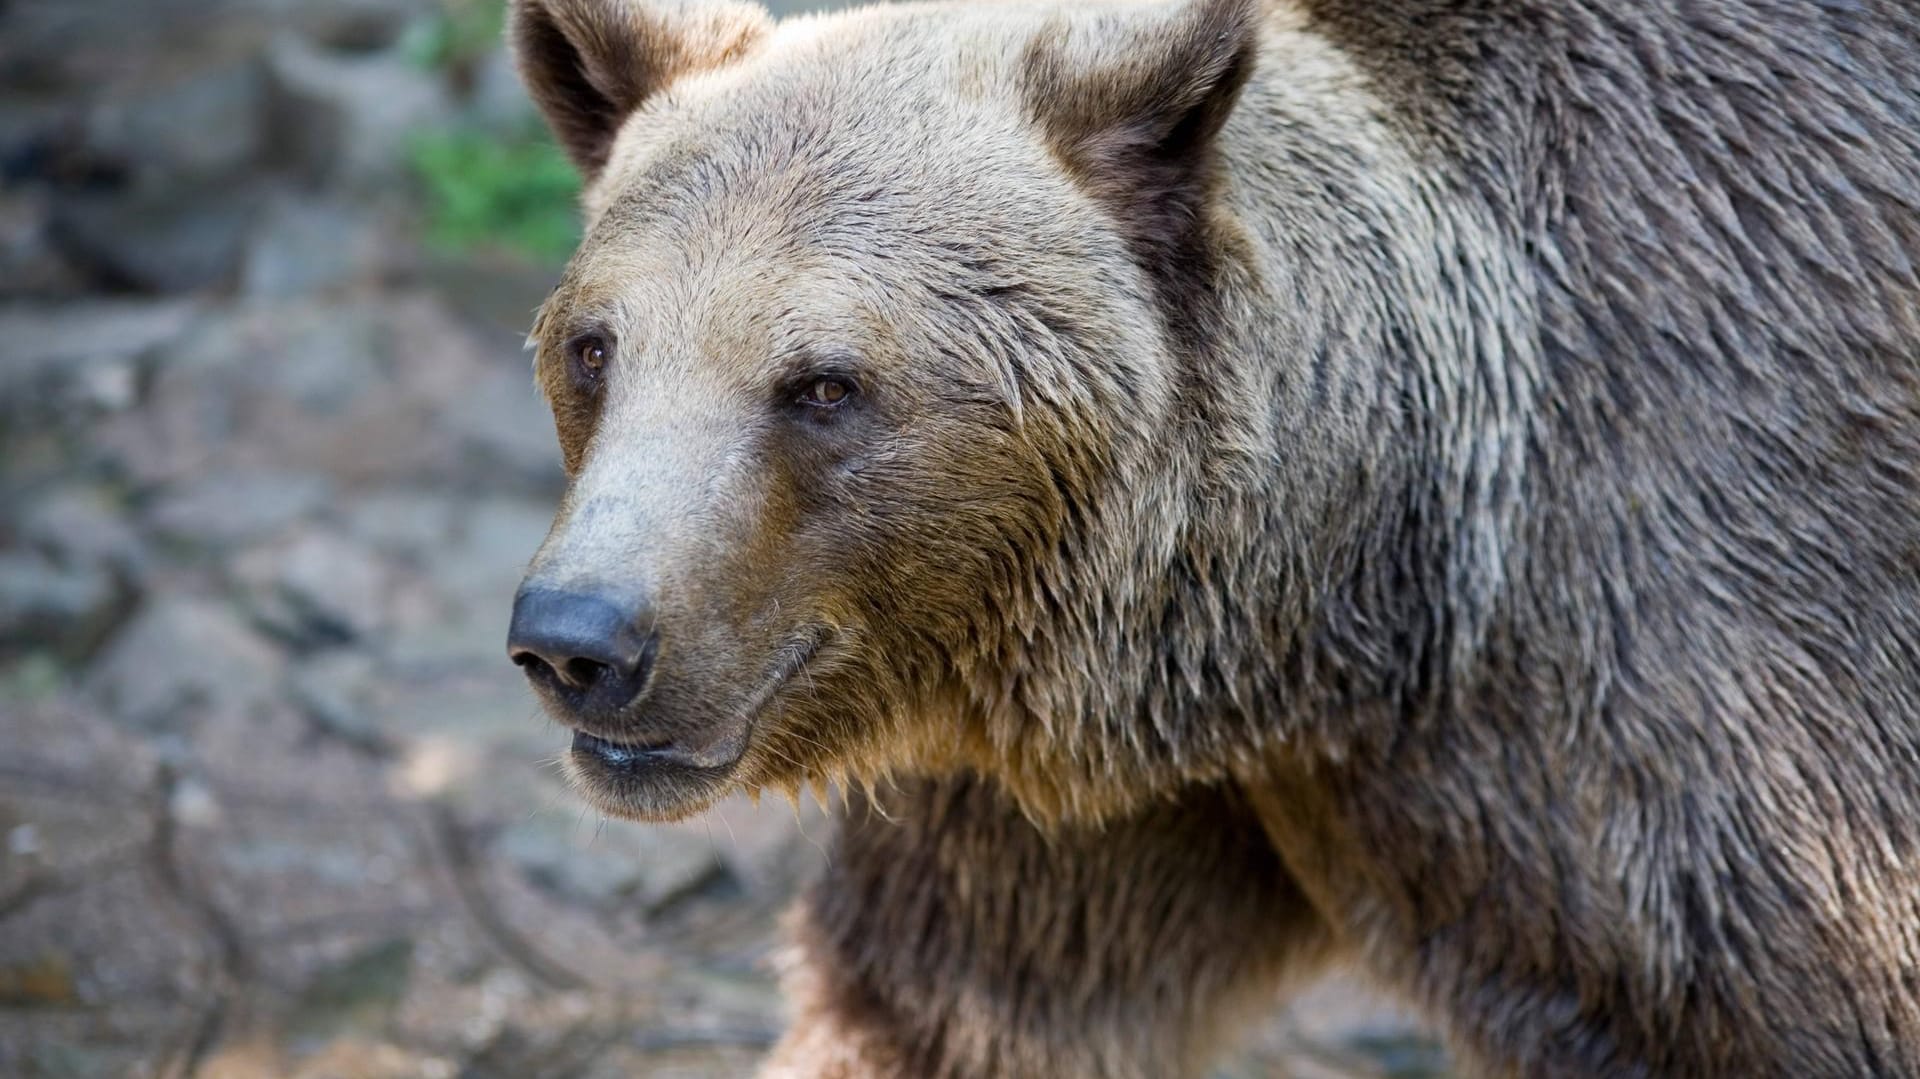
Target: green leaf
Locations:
point(515, 190)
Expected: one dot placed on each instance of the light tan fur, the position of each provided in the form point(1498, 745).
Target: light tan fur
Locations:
point(1426, 481)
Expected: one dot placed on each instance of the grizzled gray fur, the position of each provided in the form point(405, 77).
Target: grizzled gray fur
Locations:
point(1231, 487)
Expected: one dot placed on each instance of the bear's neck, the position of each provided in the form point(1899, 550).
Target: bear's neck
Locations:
point(1324, 525)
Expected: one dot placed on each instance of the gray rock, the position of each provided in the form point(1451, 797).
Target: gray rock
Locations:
point(183, 655)
point(476, 701)
point(30, 678)
point(317, 587)
point(84, 526)
point(165, 241)
point(255, 373)
point(46, 605)
point(348, 118)
point(408, 522)
point(347, 25)
point(336, 691)
point(502, 421)
point(231, 508)
point(364, 991)
point(327, 356)
point(192, 804)
point(495, 291)
point(474, 576)
point(498, 99)
point(30, 263)
point(773, 846)
point(482, 568)
point(49, 349)
point(206, 125)
point(79, 45)
point(33, 126)
point(112, 388)
point(60, 737)
point(304, 245)
point(346, 389)
point(610, 864)
point(66, 373)
point(49, 947)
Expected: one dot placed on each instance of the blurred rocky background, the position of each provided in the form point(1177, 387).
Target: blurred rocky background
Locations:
point(271, 800)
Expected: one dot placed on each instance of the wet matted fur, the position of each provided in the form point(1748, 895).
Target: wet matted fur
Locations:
point(1431, 482)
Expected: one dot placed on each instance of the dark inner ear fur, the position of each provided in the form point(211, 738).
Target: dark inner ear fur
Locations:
point(1134, 125)
point(582, 118)
point(589, 63)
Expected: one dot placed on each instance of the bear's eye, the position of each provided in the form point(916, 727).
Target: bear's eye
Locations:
point(826, 393)
point(588, 357)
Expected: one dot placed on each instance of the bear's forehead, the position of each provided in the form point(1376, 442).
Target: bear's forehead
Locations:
point(866, 94)
point(863, 154)
point(829, 165)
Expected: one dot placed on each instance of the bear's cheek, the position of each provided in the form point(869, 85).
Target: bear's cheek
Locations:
point(574, 424)
point(576, 415)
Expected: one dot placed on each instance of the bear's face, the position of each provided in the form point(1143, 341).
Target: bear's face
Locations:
point(846, 353)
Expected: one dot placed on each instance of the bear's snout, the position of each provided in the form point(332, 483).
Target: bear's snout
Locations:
point(647, 741)
point(591, 653)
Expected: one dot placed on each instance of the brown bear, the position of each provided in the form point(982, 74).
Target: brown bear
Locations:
point(1232, 486)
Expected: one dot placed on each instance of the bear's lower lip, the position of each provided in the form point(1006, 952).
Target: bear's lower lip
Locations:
point(641, 781)
point(610, 752)
point(639, 756)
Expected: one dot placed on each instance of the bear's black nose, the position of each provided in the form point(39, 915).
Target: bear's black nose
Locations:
point(593, 650)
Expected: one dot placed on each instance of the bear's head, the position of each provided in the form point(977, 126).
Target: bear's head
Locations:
point(861, 374)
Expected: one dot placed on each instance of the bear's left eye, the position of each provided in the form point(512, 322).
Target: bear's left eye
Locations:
point(826, 393)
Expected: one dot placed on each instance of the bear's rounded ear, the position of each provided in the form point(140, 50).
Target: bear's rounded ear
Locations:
point(1130, 100)
point(589, 63)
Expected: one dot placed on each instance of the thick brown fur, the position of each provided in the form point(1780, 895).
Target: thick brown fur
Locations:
point(1432, 482)
point(1085, 951)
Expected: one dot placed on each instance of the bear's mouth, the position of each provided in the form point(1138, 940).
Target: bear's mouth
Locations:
point(653, 782)
point(614, 754)
point(638, 758)
point(671, 779)
point(638, 755)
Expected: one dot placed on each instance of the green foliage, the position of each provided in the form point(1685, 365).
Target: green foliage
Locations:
point(461, 32)
point(486, 188)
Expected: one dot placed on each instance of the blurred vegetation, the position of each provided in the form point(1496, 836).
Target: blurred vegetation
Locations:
point(486, 187)
point(463, 32)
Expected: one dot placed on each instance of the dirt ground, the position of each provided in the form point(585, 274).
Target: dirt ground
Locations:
point(272, 801)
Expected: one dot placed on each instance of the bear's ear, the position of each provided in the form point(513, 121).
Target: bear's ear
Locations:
point(589, 63)
point(1130, 101)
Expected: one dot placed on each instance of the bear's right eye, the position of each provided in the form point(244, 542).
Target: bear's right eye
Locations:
point(587, 357)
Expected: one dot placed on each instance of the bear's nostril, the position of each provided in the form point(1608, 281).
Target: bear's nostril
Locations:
point(582, 673)
point(532, 664)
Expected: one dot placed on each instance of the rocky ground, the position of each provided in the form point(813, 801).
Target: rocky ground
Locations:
point(272, 801)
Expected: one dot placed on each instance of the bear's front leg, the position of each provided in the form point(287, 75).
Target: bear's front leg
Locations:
point(951, 939)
